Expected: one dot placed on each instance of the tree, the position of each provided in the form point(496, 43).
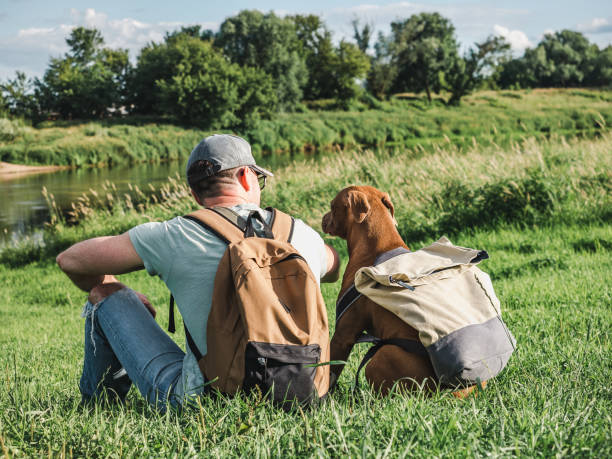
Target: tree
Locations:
point(84, 44)
point(515, 74)
point(561, 59)
point(205, 89)
point(191, 31)
point(362, 36)
point(350, 63)
point(88, 81)
point(18, 97)
point(422, 48)
point(383, 72)
point(601, 73)
point(269, 43)
point(468, 72)
point(332, 71)
point(317, 51)
point(156, 62)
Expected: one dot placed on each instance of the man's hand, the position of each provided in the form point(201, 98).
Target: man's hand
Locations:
point(147, 303)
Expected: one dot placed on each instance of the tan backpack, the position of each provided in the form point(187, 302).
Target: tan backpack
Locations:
point(440, 291)
point(267, 326)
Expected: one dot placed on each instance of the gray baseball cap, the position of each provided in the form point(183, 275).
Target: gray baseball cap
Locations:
point(223, 151)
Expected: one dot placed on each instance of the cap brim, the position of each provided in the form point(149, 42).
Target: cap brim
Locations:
point(261, 170)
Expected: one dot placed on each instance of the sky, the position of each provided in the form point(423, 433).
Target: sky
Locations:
point(33, 31)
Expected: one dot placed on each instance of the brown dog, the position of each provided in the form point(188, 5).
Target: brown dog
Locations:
point(364, 216)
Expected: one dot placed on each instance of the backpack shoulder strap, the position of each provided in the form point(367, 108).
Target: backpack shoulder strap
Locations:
point(346, 300)
point(222, 224)
point(225, 225)
point(231, 216)
point(282, 225)
point(408, 345)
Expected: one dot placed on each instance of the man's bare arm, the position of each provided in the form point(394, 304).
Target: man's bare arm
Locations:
point(95, 261)
point(333, 265)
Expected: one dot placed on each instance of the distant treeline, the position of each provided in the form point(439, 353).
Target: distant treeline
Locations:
point(260, 64)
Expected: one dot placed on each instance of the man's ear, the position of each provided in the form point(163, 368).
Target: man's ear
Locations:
point(360, 207)
point(243, 178)
point(386, 200)
point(196, 197)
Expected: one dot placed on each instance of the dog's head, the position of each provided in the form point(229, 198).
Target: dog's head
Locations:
point(356, 205)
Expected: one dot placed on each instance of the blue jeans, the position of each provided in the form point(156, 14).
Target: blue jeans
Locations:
point(120, 333)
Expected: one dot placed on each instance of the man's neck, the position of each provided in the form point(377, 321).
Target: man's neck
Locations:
point(227, 201)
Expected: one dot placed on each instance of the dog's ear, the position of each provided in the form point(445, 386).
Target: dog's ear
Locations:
point(360, 207)
point(386, 200)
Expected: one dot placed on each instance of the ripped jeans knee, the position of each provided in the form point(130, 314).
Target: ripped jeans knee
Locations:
point(122, 336)
point(97, 296)
point(102, 291)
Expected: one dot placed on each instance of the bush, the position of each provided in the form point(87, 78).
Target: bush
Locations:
point(9, 129)
point(520, 201)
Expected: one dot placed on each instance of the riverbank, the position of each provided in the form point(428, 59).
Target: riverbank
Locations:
point(10, 171)
point(488, 118)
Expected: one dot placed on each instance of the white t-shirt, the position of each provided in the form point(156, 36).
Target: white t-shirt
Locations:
point(186, 256)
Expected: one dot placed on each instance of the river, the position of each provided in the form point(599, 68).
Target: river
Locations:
point(23, 209)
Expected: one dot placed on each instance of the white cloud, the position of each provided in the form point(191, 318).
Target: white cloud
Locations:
point(30, 49)
point(33, 31)
point(597, 25)
point(93, 19)
point(517, 38)
point(471, 21)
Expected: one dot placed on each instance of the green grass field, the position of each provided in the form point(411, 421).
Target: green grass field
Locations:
point(540, 207)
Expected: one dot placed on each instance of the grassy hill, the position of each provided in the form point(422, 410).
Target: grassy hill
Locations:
point(405, 121)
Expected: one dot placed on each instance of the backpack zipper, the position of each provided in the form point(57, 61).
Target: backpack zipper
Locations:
point(291, 257)
point(401, 283)
point(285, 306)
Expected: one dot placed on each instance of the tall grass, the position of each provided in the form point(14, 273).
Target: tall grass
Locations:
point(443, 192)
point(489, 118)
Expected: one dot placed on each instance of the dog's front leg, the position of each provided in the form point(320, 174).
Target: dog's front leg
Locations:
point(345, 335)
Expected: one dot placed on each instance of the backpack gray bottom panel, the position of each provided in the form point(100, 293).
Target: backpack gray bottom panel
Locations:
point(472, 353)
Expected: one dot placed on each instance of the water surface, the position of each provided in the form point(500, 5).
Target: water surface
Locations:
point(23, 209)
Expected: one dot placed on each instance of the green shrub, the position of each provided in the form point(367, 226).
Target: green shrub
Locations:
point(521, 201)
point(400, 122)
point(9, 129)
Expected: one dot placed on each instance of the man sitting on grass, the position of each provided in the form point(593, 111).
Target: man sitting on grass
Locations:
point(123, 343)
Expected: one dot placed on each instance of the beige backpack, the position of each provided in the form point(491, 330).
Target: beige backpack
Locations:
point(267, 326)
point(440, 291)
